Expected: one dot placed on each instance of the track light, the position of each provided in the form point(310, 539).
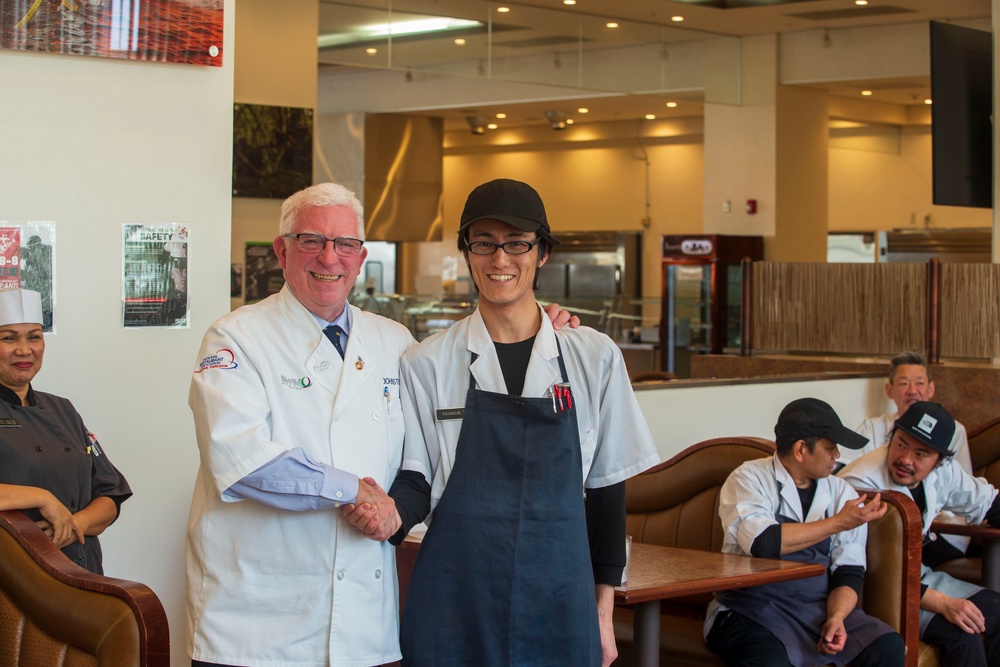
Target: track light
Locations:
point(557, 119)
point(477, 124)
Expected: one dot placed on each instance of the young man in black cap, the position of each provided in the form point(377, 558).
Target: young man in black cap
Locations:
point(955, 615)
point(508, 425)
point(788, 506)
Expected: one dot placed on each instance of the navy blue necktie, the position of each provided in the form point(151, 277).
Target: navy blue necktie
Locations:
point(334, 332)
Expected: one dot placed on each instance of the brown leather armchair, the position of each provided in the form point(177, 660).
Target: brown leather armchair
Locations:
point(56, 613)
point(677, 504)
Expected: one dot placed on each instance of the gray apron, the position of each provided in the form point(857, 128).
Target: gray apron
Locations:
point(795, 611)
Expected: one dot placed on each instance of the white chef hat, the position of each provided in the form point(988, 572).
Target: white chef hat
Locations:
point(20, 306)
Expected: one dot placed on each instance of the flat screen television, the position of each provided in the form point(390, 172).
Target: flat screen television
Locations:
point(961, 115)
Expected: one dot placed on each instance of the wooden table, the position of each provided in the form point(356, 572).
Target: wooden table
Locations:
point(990, 538)
point(657, 573)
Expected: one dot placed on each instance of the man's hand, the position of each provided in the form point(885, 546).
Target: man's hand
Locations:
point(860, 511)
point(560, 317)
point(966, 615)
point(373, 512)
point(832, 637)
point(59, 523)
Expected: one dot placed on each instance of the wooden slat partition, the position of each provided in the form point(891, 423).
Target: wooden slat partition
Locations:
point(970, 310)
point(840, 308)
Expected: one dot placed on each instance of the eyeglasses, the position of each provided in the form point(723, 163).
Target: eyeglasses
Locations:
point(342, 245)
point(510, 247)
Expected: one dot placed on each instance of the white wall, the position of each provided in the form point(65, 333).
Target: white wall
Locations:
point(682, 414)
point(90, 143)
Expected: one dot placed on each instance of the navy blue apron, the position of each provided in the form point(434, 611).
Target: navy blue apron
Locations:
point(795, 611)
point(503, 576)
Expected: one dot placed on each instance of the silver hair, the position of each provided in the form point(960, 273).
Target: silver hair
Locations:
point(321, 195)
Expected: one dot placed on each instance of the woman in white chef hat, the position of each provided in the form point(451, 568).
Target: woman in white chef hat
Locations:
point(53, 467)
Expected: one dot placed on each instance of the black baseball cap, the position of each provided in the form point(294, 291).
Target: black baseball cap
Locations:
point(929, 423)
point(510, 201)
point(812, 418)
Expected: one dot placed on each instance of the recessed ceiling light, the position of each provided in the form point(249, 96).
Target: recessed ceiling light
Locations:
point(861, 3)
point(928, 101)
point(677, 19)
point(501, 116)
point(650, 116)
point(460, 41)
point(569, 2)
point(612, 24)
point(492, 126)
point(583, 110)
point(569, 121)
point(503, 10)
point(866, 93)
point(671, 104)
point(371, 50)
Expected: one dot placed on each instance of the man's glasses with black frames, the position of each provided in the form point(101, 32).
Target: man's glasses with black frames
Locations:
point(510, 247)
point(314, 243)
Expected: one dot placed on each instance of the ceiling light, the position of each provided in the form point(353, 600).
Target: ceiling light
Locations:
point(371, 50)
point(492, 126)
point(501, 116)
point(569, 2)
point(397, 29)
point(650, 116)
point(866, 93)
point(460, 41)
point(503, 10)
point(557, 119)
point(676, 19)
point(477, 124)
point(928, 101)
point(861, 3)
point(569, 121)
point(583, 110)
point(672, 105)
point(612, 24)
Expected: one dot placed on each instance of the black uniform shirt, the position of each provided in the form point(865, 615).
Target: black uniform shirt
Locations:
point(46, 444)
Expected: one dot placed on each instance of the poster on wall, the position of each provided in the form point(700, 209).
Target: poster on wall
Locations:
point(264, 276)
point(174, 31)
point(26, 252)
point(272, 150)
point(154, 275)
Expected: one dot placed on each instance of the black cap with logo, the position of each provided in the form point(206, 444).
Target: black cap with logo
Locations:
point(812, 418)
point(506, 200)
point(929, 423)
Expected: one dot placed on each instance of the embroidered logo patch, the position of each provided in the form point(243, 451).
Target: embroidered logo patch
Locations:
point(296, 383)
point(223, 359)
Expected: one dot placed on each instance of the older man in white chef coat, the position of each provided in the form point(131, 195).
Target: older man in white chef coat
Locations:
point(288, 395)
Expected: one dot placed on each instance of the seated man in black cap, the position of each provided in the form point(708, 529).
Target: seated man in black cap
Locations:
point(788, 506)
point(955, 615)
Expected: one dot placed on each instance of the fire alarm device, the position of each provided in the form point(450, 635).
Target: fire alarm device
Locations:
point(751, 206)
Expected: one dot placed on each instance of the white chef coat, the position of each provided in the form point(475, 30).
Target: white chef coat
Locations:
point(267, 587)
point(877, 430)
point(946, 488)
point(614, 439)
point(759, 490)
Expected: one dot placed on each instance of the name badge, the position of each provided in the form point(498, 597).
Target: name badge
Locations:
point(449, 414)
point(9, 423)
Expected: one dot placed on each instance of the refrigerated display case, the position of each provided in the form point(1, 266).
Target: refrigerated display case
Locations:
point(702, 281)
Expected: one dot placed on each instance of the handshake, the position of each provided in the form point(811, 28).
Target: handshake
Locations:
point(373, 512)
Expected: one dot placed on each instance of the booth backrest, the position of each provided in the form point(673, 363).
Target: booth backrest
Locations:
point(677, 502)
point(53, 612)
point(984, 449)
